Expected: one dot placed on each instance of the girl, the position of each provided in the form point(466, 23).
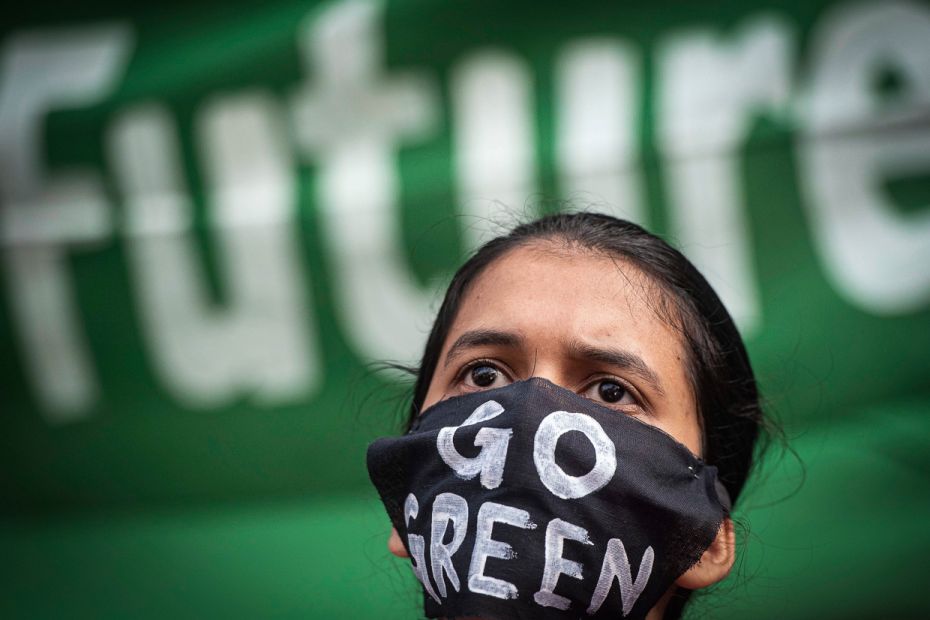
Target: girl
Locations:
point(584, 414)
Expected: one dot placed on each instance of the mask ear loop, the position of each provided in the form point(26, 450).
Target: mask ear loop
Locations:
point(723, 496)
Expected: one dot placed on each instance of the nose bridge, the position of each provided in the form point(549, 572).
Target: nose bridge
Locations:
point(550, 366)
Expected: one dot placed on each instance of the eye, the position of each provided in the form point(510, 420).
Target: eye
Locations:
point(610, 392)
point(483, 375)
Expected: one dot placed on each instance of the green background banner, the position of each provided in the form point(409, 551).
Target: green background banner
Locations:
point(216, 219)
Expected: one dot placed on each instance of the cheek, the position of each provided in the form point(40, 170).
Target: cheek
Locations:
point(679, 414)
point(682, 421)
point(689, 424)
point(688, 432)
point(435, 392)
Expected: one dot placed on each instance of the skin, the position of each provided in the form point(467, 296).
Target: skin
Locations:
point(586, 322)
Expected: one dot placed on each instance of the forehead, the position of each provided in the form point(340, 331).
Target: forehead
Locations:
point(545, 288)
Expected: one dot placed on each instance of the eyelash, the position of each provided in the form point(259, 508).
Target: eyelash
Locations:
point(467, 368)
point(589, 383)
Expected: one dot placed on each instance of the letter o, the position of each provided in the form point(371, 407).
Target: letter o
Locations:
point(554, 477)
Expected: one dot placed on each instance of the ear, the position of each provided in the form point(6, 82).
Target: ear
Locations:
point(396, 546)
point(715, 563)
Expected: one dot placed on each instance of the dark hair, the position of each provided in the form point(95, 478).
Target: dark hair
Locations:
point(718, 367)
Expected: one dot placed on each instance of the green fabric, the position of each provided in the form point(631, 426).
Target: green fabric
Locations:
point(153, 499)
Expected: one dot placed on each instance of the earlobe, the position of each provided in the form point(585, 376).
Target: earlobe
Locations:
point(715, 563)
point(396, 545)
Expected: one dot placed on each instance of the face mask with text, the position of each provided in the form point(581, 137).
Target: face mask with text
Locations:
point(530, 501)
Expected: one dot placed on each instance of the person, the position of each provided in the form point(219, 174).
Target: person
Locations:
point(592, 314)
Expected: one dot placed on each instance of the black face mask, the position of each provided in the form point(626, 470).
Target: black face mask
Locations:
point(530, 501)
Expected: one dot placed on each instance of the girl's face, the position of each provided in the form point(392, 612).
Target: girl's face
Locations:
point(589, 324)
point(581, 320)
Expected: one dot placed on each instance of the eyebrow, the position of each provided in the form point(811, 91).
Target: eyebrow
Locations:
point(483, 338)
point(617, 357)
